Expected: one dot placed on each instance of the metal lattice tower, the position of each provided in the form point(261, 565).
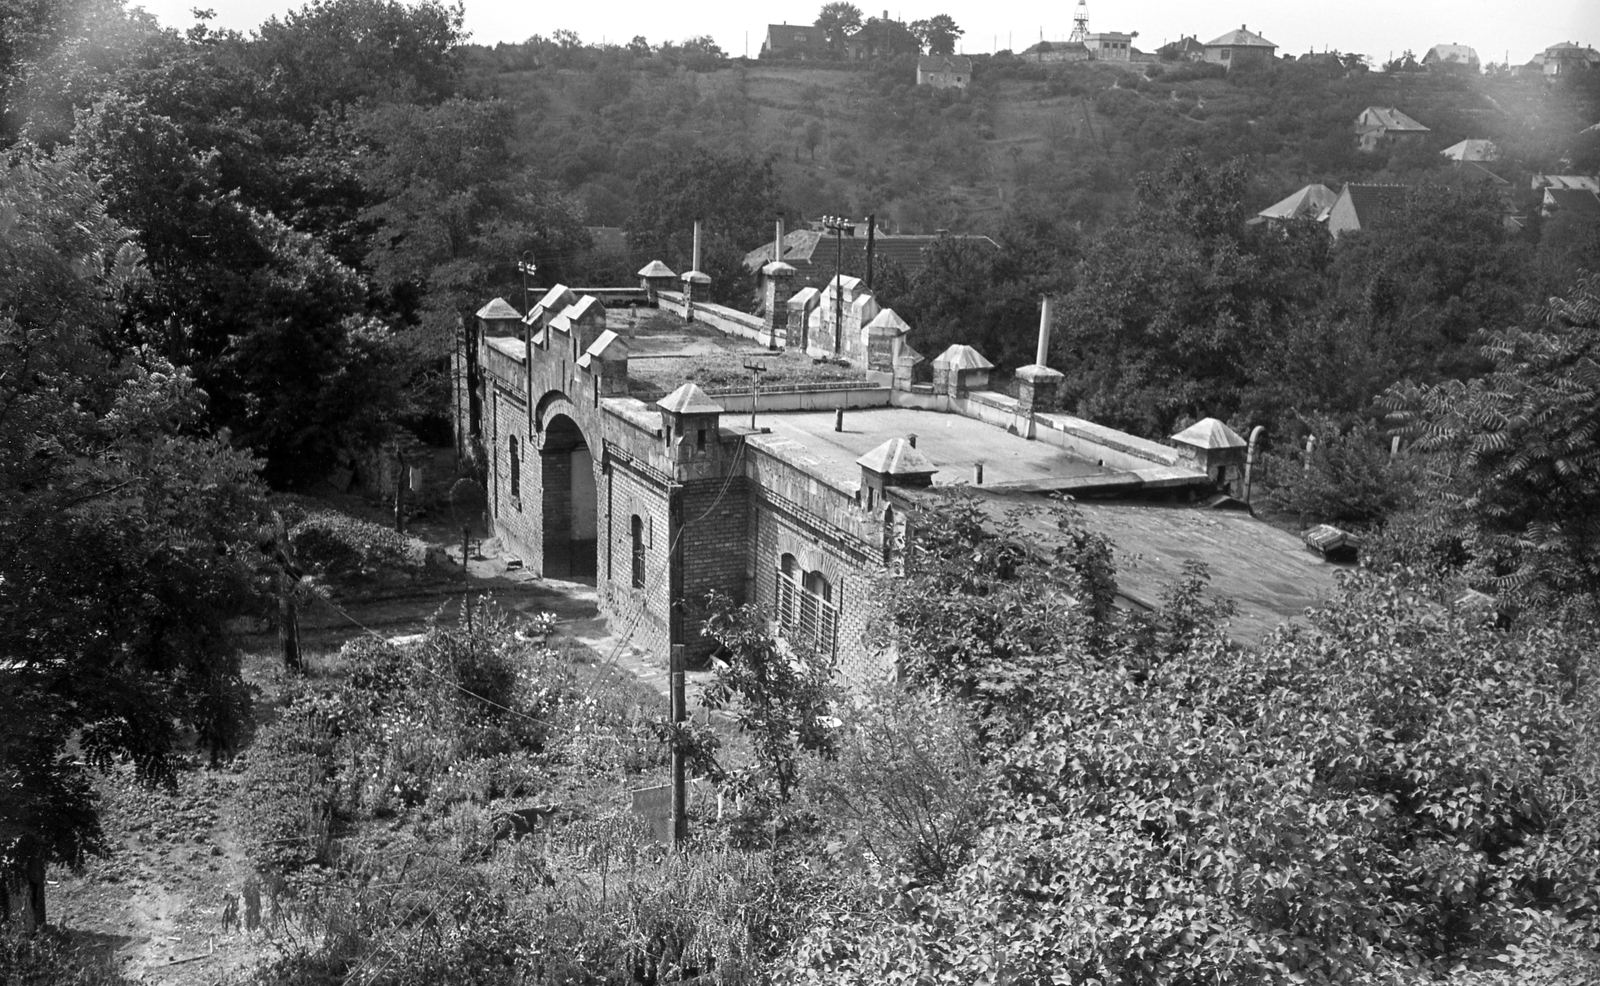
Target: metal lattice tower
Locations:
point(1080, 22)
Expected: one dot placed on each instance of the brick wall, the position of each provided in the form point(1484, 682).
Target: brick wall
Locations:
point(778, 529)
point(714, 514)
point(517, 522)
point(625, 489)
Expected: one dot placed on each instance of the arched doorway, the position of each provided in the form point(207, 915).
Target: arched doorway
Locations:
point(571, 514)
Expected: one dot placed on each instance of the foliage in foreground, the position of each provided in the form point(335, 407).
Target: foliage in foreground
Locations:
point(1396, 790)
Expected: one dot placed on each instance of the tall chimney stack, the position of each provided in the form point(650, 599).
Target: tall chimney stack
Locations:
point(696, 264)
point(1043, 351)
point(777, 246)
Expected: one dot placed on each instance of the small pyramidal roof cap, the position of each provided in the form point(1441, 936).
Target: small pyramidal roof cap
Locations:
point(697, 277)
point(778, 269)
point(498, 308)
point(656, 268)
point(959, 357)
point(887, 319)
point(897, 457)
point(1210, 433)
point(689, 399)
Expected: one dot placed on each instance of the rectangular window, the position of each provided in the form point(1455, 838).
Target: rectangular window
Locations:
point(1226, 52)
point(806, 612)
point(516, 468)
point(638, 551)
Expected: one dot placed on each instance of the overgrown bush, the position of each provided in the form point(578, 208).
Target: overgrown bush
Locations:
point(1348, 477)
point(908, 788)
point(340, 546)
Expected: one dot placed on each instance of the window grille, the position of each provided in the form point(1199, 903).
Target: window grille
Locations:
point(805, 609)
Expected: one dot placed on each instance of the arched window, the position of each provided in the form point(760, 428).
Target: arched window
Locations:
point(638, 551)
point(806, 612)
point(516, 468)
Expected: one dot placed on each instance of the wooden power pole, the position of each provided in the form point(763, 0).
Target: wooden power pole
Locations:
point(680, 805)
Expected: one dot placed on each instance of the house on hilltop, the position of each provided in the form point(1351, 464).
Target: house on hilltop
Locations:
point(1185, 49)
point(1378, 126)
point(799, 41)
point(1451, 58)
point(1239, 47)
point(1360, 207)
point(1059, 51)
point(1563, 58)
point(1111, 46)
point(944, 71)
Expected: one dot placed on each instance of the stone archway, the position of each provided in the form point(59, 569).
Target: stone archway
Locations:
point(570, 506)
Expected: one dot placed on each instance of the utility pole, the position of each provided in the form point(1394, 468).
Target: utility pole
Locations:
point(400, 492)
point(677, 713)
point(838, 225)
point(872, 237)
point(756, 369)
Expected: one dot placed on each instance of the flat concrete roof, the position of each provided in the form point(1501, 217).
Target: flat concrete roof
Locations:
point(1269, 573)
point(952, 442)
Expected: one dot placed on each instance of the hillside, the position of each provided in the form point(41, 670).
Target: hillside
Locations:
point(1062, 141)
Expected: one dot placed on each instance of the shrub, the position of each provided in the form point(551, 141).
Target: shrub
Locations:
point(908, 789)
point(46, 958)
point(1348, 477)
point(341, 546)
point(288, 797)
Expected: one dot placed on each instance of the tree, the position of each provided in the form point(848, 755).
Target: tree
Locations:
point(838, 20)
point(938, 34)
point(885, 37)
point(778, 694)
point(734, 196)
point(1526, 437)
point(126, 541)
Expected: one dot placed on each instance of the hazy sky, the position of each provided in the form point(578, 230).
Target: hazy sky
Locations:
point(1373, 27)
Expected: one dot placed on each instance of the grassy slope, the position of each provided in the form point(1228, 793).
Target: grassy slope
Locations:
point(1068, 141)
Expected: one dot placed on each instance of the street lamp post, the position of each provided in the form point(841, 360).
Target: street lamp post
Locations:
point(838, 225)
point(528, 268)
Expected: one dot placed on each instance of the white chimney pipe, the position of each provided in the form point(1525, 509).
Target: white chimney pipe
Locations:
point(777, 247)
point(1043, 352)
point(696, 264)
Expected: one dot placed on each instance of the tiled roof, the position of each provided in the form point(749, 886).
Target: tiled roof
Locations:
point(656, 268)
point(1308, 203)
point(783, 36)
point(1472, 150)
point(1461, 54)
point(1240, 39)
point(1374, 204)
point(897, 457)
point(1566, 181)
point(1389, 118)
point(1209, 433)
point(498, 308)
point(1572, 201)
point(689, 399)
point(959, 357)
point(805, 250)
point(944, 63)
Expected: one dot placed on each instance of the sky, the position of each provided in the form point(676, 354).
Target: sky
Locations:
point(1378, 28)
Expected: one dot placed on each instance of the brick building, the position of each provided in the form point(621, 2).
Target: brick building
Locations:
point(605, 464)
